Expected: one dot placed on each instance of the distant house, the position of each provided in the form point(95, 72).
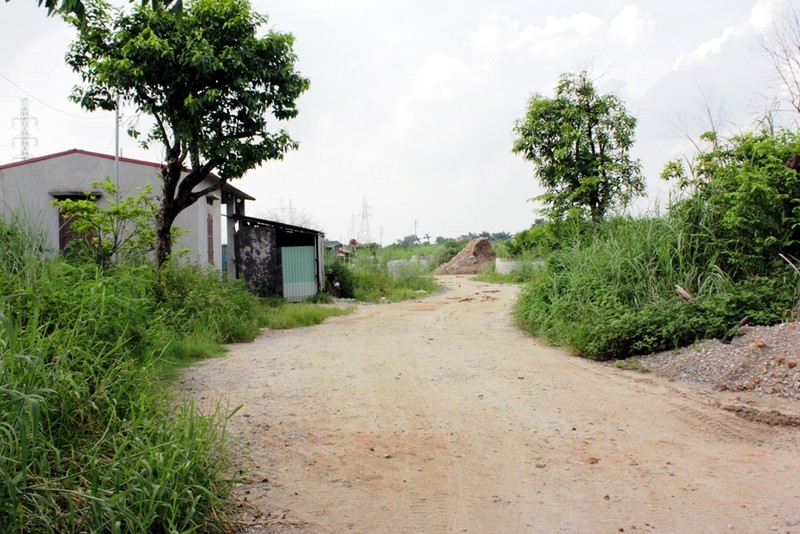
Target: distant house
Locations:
point(285, 259)
point(28, 188)
point(338, 250)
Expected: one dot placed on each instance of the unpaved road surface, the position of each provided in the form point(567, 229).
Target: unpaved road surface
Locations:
point(439, 416)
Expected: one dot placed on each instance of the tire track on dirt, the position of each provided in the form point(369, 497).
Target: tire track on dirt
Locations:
point(437, 415)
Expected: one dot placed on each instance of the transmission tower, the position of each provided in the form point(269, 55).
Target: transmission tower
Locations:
point(24, 136)
point(363, 232)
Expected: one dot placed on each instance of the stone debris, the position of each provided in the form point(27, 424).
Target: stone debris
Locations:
point(763, 360)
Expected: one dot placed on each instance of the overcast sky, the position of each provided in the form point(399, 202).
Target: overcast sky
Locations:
point(412, 103)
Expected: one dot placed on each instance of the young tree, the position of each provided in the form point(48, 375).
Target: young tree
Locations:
point(208, 81)
point(123, 230)
point(578, 142)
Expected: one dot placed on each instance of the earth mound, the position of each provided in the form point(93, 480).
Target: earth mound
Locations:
point(476, 255)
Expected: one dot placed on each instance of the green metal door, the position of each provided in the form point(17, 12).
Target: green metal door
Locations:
point(299, 273)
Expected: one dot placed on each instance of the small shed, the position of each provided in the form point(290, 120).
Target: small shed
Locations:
point(275, 258)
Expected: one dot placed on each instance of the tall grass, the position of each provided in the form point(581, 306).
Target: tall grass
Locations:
point(611, 293)
point(286, 315)
point(372, 282)
point(90, 440)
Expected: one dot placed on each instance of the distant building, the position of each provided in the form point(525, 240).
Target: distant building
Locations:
point(28, 187)
point(279, 258)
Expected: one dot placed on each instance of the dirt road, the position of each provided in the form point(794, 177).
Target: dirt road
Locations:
point(439, 416)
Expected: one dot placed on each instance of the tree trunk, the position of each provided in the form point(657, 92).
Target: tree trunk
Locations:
point(164, 220)
point(167, 209)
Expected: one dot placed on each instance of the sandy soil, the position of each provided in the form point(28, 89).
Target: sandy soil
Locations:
point(439, 416)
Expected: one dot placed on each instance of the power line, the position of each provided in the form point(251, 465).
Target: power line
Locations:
point(53, 107)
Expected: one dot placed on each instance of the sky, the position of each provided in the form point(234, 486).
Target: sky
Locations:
point(412, 104)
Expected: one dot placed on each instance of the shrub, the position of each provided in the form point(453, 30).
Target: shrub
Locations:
point(339, 279)
point(612, 294)
point(90, 440)
point(446, 251)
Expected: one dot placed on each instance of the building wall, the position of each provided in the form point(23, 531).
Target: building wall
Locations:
point(27, 189)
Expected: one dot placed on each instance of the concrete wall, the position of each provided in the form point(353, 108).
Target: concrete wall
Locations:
point(28, 188)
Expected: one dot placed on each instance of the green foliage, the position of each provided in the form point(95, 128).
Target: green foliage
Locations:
point(407, 241)
point(538, 241)
point(747, 190)
point(529, 267)
point(579, 143)
point(339, 280)
point(210, 79)
point(611, 294)
point(121, 232)
point(368, 277)
point(202, 302)
point(299, 314)
point(76, 9)
point(445, 251)
point(90, 439)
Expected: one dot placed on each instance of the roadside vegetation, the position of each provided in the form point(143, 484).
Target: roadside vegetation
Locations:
point(366, 278)
point(92, 439)
point(725, 251)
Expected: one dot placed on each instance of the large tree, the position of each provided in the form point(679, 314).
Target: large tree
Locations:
point(77, 8)
point(579, 143)
point(209, 82)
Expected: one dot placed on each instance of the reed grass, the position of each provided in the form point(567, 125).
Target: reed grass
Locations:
point(91, 440)
point(611, 293)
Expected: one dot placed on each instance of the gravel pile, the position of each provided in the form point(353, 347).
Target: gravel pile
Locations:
point(762, 359)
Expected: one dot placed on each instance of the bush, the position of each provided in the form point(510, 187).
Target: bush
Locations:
point(90, 441)
point(199, 301)
point(446, 251)
point(612, 294)
point(339, 279)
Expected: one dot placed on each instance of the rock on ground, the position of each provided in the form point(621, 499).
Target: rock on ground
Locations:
point(471, 260)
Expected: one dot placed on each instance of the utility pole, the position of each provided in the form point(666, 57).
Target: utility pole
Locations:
point(24, 130)
point(415, 229)
point(116, 150)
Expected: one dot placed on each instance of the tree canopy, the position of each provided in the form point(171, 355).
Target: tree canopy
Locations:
point(579, 143)
point(77, 8)
point(209, 82)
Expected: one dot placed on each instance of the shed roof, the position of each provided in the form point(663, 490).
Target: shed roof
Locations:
point(253, 221)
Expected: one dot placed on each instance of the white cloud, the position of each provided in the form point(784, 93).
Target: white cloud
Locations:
point(762, 14)
point(630, 25)
point(559, 36)
point(562, 37)
point(493, 35)
point(760, 20)
point(708, 48)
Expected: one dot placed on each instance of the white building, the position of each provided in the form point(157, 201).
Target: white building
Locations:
point(28, 187)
